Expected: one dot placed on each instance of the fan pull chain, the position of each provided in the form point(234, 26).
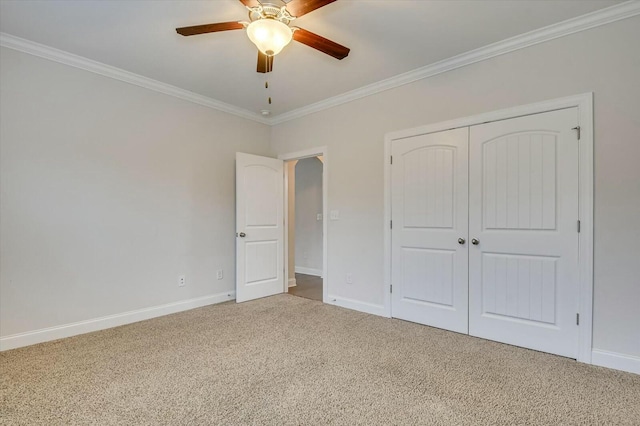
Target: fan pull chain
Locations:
point(266, 86)
point(266, 112)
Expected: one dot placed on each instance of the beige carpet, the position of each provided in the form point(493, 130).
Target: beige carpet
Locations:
point(287, 360)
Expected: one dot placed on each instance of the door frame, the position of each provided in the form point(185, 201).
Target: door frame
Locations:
point(299, 155)
point(584, 103)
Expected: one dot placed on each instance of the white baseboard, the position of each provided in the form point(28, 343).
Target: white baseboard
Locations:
point(357, 305)
point(308, 271)
point(615, 360)
point(67, 330)
point(292, 282)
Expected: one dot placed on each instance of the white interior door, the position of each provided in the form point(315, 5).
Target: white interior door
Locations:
point(429, 181)
point(523, 272)
point(259, 227)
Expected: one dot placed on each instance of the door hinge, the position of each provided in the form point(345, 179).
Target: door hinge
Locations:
point(390, 224)
point(577, 319)
point(391, 288)
point(577, 129)
point(578, 226)
point(392, 159)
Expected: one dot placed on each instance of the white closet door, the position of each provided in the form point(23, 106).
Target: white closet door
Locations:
point(524, 211)
point(429, 215)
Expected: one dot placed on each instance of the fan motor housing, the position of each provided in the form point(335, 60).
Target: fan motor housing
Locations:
point(271, 10)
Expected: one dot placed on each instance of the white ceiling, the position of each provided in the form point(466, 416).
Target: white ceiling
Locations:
point(386, 37)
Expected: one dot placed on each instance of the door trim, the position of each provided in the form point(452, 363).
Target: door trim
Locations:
point(584, 103)
point(299, 155)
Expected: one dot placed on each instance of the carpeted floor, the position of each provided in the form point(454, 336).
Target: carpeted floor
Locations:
point(286, 360)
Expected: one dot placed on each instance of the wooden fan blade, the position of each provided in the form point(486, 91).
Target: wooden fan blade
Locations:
point(209, 28)
point(265, 63)
point(298, 8)
point(320, 43)
point(250, 3)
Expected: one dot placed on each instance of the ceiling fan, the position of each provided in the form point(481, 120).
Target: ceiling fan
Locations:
point(269, 29)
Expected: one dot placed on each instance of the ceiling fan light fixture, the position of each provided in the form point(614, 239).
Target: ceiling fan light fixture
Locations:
point(269, 35)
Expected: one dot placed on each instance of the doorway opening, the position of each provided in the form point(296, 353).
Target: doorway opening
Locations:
point(305, 208)
point(305, 214)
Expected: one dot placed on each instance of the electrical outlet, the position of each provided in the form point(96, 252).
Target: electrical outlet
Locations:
point(219, 274)
point(182, 281)
point(319, 217)
point(349, 278)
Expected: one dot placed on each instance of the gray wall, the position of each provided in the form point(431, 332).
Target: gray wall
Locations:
point(605, 60)
point(308, 202)
point(109, 192)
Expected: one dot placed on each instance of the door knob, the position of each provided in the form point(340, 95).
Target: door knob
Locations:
point(461, 241)
point(242, 235)
point(475, 242)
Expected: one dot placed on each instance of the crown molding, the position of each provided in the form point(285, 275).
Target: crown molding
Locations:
point(56, 55)
point(560, 29)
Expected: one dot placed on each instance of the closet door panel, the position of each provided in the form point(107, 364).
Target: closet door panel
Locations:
point(523, 213)
point(429, 216)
